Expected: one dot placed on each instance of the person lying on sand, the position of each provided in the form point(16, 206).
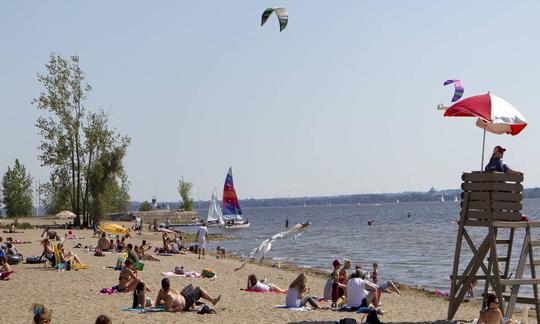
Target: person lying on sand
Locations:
point(256, 285)
point(140, 299)
point(181, 301)
point(491, 314)
point(128, 278)
point(298, 293)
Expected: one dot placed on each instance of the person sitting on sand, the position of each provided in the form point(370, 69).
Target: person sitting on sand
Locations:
point(140, 300)
point(357, 296)
point(141, 253)
point(5, 270)
point(128, 278)
point(103, 319)
point(491, 314)
point(121, 244)
point(297, 295)
point(48, 251)
point(42, 315)
point(255, 285)
point(132, 255)
point(220, 252)
point(103, 243)
point(183, 301)
point(496, 163)
point(3, 245)
point(12, 250)
point(166, 243)
point(67, 256)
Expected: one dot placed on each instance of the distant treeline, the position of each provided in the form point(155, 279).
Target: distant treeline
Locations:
point(346, 199)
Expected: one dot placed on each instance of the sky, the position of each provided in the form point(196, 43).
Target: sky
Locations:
point(343, 101)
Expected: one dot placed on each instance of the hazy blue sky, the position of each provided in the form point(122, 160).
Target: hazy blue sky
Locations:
point(343, 101)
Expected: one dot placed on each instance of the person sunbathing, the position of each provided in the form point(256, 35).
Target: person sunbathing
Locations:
point(67, 256)
point(141, 252)
point(5, 269)
point(121, 245)
point(103, 243)
point(255, 285)
point(181, 301)
point(140, 300)
point(491, 314)
point(298, 293)
point(128, 278)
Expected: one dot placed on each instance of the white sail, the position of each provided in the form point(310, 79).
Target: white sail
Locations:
point(456, 199)
point(214, 211)
point(442, 198)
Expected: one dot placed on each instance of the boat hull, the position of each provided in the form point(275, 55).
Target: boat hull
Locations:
point(235, 226)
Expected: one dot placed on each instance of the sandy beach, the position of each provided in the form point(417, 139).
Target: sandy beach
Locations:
point(73, 295)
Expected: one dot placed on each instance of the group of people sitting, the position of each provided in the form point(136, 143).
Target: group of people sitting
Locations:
point(59, 257)
point(172, 245)
point(356, 290)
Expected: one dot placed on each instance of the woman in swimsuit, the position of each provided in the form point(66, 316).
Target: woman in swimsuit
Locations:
point(140, 300)
point(128, 278)
point(48, 251)
point(142, 255)
point(67, 256)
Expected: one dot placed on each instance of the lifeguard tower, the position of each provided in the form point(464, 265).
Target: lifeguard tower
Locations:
point(491, 204)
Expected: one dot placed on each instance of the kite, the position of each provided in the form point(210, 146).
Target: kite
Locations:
point(281, 13)
point(458, 89)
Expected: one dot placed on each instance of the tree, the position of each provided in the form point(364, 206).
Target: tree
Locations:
point(184, 189)
point(145, 206)
point(17, 191)
point(76, 144)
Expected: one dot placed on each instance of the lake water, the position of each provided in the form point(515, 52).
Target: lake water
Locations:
point(417, 250)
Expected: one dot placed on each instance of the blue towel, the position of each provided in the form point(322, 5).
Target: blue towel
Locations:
point(144, 310)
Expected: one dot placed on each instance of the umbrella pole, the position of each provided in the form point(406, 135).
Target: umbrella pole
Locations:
point(483, 148)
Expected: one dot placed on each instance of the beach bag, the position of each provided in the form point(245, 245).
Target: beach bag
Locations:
point(208, 273)
point(206, 310)
point(139, 266)
point(99, 252)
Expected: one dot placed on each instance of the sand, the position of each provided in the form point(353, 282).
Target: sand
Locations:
point(73, 297)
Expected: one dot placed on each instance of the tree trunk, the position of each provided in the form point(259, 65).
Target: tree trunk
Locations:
point(87, 186)
point(73, 184)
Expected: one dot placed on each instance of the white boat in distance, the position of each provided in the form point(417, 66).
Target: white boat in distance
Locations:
point(215, 217)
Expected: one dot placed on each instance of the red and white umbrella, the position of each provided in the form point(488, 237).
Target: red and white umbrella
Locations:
point(494, 114)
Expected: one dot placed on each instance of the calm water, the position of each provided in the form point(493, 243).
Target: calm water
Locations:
point(416, 250)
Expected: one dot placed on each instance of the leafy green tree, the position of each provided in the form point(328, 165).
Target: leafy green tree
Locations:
point(145, 206)
point(17, 191)
point(76, 144)
point(184, 189)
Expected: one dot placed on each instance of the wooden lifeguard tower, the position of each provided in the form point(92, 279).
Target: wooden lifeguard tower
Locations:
point(493, 201)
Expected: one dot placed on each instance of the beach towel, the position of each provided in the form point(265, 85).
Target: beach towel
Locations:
point(297, 309)
point(144, 310)
point(109, 291)
point(187, 274)
point(275, 292)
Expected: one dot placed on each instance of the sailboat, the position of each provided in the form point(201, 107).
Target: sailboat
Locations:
point(455, 199)
point(442, 197)
point(215, 217)
point(232, 214)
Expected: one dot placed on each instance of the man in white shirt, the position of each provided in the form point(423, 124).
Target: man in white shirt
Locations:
point(202, 235)
point(357, 295)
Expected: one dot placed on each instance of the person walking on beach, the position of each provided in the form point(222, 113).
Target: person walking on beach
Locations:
point(202, 235)
point(496, 163)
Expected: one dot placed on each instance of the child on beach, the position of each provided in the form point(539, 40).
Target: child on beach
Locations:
point(6, 271)
point(375, 272)
point(491, 314)
point(103, 319)
point(220, 253)
point(336, 285)
point(41, 314)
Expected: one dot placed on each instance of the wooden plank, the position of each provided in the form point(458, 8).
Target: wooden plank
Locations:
point(508, 255)
point(491, 177)
point(519, 273)
point(477, 277)
point(501, 224)
point(536, 262)
point(497, 196)
point(497, 215)
point(517, 282)
point(535, 243)
point(521, 300)
point(503, 241)
point(492, 186)
point(506, 205)
point(500, 259)
point(533, 273)
point(476, 204)
point(482, 223)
